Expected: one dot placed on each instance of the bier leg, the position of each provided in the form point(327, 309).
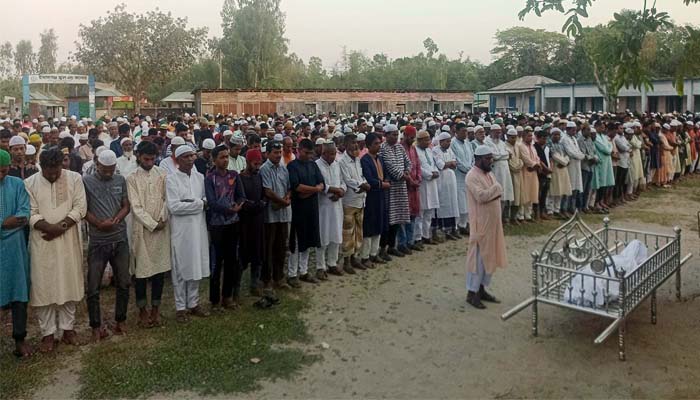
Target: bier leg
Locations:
point(534, 318)
point(678, 284)
point(653, 307)
point(621, 339)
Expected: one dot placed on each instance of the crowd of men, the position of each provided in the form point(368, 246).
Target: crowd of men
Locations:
point(210, 196)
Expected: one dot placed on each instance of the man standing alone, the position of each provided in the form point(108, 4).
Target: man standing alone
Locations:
point(487, 248)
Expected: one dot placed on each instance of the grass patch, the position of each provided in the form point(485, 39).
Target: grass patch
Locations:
point(20, 377)
point(207, 356)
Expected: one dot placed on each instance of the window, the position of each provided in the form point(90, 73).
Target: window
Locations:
point(565, 105)
point(531, 104)
point(674, 103)
point(401, 108)
point(581, 104)
point(362, 107)
point(511, 102)
point(597, 104)
point(436, 107)
point(492, 104)
point(311, 108)
point(632, 104)
point(653, 103)
point(697, 104)
point(467, 107)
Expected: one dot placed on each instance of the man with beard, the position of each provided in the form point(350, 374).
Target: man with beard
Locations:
point(487, 247)
point(150, 232)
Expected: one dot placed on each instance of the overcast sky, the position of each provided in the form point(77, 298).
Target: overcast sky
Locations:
point(321, 27)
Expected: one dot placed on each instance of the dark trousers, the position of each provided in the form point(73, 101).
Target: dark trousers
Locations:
point(388, 237)
point(582, 201)
point(275, 252)
point(141, 286)
point(544, 189)
point(620, 182)
point(117, 254)
point(225, 241)
point(19, 320)
point(446, 223)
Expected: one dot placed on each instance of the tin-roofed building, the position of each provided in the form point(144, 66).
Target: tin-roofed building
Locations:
point(319, 101)
point(520, 95)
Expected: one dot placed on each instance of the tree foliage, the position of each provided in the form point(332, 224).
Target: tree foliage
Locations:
point(46, 58)
point(25, 58)
point(7, 63)
point(253, 42)
point(138, 50)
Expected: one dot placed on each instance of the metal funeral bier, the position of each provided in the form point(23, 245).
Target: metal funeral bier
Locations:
point(577, 263)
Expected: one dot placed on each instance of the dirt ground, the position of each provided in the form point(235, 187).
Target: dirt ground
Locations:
point(405, 331)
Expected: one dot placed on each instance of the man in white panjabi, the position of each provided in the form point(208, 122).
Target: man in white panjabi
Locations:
point(150, 232)
point(500, 167)
point(190, 243)
point(464, 155)
point(573, 151)
point(126, 164)
point(330, 212)
point(58, 204)
point(448, 212)
point(429, 199)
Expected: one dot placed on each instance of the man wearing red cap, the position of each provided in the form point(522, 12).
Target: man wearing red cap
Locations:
point(252, 219)
point(406, 236)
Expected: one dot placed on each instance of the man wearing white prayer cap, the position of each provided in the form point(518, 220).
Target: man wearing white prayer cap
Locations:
point(186, 202)
point(107, 208)
point(204, 162)
point(169, 164)
point(127, 162)
point(487, 251)
point(18, 165)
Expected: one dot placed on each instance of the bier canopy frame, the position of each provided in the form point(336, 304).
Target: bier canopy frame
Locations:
point(562, 261)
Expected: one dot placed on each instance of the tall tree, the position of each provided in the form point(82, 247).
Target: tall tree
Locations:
point(135, 50)
point(253, 43)
point(25, 58)
point(7, 63)
point(526, 51)
point(430, 46)
point(46, 58)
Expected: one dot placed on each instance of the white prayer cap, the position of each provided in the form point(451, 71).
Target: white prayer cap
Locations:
point(571, 124)
point(629, 130)
point(538, 129)
point(478, 128)
point(320, 141)
point(208, 144)
point(83, 136)
point(495, 127)
point(666, 126)
point(170, 134)
point(519, 128)
point(361, 136)
point(177, 141)
point(17, 141)
point(126, 139)
point(228, 132)
point(432, 123)
point(148, 118)
point(35, 121)
point(689, 123)
point(31, 150)
point(337, 134)
point(278, 137)
point(390, 128)
point(443, 135)
point(470, 129)
point(100, 149)
point(482, 151)
point(509, 127)
point(107, 158)
point(347, 129)
point(237, 140)
point(304, 121)
point(555, 130)
point(73, 117)
point(471, 124)
point(487, 124)
point(675, 122)
point(445, 128)
point(63, 119)
point(512, 132)
point(64, 134)
point(183, 150)
point(144, 125)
